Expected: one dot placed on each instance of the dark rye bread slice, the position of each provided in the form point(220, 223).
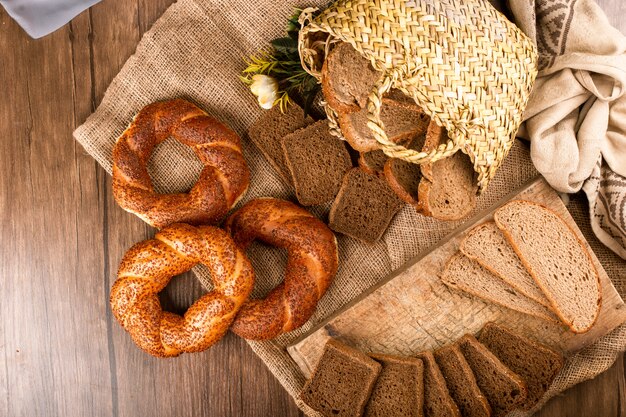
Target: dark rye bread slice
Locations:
point(317, 162)
point(535, 363)
point(467, 275)
point(404, 177)
point(461, 382)
point(399, 389)
point(437, 399)
point(504, 389)
point(373, 162)
point(363, 207)
point(342, 381)
point(487, 245)
point(556, 259)
point(402, 99)
point(347, 78)
point(401, 124)
point(448, 188)
point(267, 132)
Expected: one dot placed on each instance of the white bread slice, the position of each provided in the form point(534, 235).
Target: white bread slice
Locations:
point(556, 259)
point(469, 276)
point(487, 245)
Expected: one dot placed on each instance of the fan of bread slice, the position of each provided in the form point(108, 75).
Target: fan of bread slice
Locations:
point(528, 259)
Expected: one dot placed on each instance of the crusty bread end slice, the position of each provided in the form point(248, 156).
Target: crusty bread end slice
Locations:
point(556, 259)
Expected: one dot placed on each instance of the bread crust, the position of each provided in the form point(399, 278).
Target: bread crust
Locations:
point(530, 270)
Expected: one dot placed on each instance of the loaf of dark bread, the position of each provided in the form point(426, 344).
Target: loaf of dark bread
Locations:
point(399, 389)
point(504, 389)
point(535, 363)
point(461, 382)
point(342, 381)
point(363, 207)
point(268, 131)
point(347, 79)
point(437, 399)
point(448, 188)
point(317, 162)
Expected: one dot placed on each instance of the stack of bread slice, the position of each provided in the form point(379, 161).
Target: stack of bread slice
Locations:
point(529, 260)
point(490, 376)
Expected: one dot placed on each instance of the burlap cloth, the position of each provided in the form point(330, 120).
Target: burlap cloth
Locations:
point(195, 50)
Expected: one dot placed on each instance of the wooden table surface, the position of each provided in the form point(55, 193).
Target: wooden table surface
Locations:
point(63, 235)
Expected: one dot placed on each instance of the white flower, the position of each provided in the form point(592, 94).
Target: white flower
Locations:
point(266, 90)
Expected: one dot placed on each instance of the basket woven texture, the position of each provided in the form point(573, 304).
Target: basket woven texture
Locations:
point(468, 67)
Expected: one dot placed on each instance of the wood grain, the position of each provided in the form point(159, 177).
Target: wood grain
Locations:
point(63, 237)
point(61, 354)
point(412, 310)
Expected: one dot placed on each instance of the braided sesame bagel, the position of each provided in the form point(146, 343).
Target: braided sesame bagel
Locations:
point(222, 182)
point(311, 265)
point(148, 267)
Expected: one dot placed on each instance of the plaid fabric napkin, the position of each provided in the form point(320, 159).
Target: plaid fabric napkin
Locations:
point(41, 17)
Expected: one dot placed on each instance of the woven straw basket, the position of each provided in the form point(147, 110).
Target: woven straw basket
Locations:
point(462, 61)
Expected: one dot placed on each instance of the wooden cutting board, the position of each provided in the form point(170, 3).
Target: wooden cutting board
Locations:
point(412, 310)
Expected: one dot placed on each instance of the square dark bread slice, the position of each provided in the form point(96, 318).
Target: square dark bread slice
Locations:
point(342, 381)
point(268, 131)
point(437, 399)
point(399, 389)
point(504, 389)
point(461, 382)
point(535, 363)
point(364, 206)
point(317, 162)
point(404, 177)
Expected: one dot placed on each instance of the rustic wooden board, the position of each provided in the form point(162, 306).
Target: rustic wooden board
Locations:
point(412, 310)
